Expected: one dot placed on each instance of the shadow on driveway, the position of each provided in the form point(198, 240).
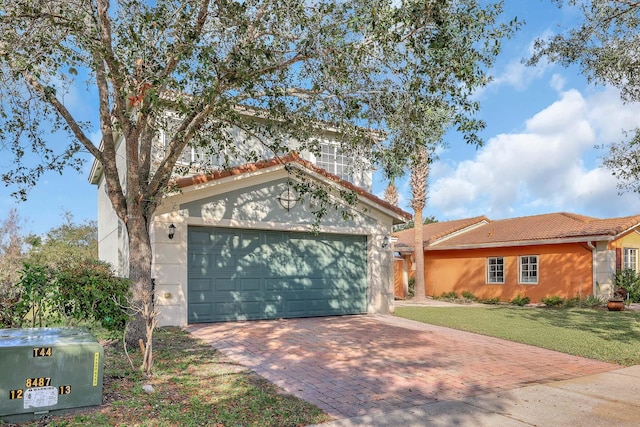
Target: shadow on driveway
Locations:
point(355, 365)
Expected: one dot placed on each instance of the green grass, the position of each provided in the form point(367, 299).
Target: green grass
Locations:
point(596, 334)
point(195, 385)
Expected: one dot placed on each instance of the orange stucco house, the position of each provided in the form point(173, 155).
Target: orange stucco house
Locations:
point(537, 256)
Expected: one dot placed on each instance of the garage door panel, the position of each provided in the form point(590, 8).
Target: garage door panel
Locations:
point(225, 284)
point(264, 274)
point(199, 285)
point(250, 284)
point(225, 308)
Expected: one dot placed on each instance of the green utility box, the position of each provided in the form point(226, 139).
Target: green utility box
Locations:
point(46, 371)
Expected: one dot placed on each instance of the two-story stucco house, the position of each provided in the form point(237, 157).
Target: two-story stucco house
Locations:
point(238, 243)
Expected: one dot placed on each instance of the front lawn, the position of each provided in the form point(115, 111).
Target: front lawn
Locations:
point(194, 385)
point(597, 334)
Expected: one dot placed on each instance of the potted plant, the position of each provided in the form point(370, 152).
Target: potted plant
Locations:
point(616, 302)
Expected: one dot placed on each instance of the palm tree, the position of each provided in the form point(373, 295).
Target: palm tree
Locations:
point(391, 192)
point(418, 182)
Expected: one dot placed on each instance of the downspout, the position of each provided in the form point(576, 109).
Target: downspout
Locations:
point(593, 267)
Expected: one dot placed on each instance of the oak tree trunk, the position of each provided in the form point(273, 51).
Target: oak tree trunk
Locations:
point(140, 277)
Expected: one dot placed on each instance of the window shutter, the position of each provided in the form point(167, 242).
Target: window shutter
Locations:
point(618, 259)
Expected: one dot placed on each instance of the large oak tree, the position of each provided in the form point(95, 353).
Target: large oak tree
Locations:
point(202, 64)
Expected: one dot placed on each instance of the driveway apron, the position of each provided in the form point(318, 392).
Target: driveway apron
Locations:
point(355, 365)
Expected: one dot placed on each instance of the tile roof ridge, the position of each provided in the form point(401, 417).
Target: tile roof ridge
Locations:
point(578, 217)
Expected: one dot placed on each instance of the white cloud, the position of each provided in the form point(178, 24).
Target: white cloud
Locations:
point(519, 75)
point(558, 82)
point(542, 169)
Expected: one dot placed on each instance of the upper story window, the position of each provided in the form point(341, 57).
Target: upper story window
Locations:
point(197, 156)
point(529, 269)
point(630, 259)
point(335, 162)
point(495, 270)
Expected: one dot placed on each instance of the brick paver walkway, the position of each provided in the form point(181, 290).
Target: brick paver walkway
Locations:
point(352, 365)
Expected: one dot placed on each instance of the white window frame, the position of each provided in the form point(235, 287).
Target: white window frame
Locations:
point(493, 270)
point(630, 260)
point(525, 275)
point(333, 161)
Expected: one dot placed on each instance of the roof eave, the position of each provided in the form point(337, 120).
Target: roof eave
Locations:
point(581, 239)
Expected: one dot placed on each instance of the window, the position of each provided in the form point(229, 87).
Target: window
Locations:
point(197, 156)
point(335, 162)
point(529, 269)
point(630, 259)
point(495, 270)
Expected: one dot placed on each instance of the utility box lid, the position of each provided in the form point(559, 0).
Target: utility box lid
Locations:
point(48, 370)
point(44, 337)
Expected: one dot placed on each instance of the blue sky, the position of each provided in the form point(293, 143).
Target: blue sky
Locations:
point(538, 155)
point(543, 123)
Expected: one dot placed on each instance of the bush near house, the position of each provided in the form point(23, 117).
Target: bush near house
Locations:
point(553, 301)
point(629, 280)
point(76, 292)
point(520, 300)
point(449, 296)
point(468, 296)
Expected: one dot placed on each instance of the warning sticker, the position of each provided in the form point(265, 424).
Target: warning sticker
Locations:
point(40, 396)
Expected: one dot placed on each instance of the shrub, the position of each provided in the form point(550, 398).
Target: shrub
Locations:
point(412, 287)
point(553, 301)
point(469, 296)
point(492, 300)
point(520, 300)
point(449, 296)
point(10, 317)
point(573, 302)
point(592, 301)
point(88, 291)
point(628, 280)
point(36, 295)
point(84, 291)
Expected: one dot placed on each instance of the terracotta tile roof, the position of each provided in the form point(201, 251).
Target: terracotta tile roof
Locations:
point(547, 228)
point(282, 160)
point(436, 230)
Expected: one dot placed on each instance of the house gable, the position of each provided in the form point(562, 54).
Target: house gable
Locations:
point(259, 203)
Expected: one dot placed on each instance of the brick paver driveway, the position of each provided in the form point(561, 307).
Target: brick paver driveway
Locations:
point(352, 365)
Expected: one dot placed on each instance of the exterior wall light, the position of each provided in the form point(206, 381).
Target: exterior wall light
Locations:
point(172, 231)
point(385, 241)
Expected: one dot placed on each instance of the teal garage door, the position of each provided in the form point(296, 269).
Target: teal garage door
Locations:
point(255, 274)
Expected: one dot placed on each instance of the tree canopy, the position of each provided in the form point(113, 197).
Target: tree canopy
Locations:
point(605, 45)
point(198, 68)
point(407, 68)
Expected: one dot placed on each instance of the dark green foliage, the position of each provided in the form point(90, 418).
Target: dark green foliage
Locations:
point(573, 302)
point(412, 287)
point(452, 296)
point(469, 296)
point(520, 300)
point(592, 301)
point(88, 291)
point(491, 301)
point(35, 292)
point(553, 301)
point(628, 280)
point(80, 291)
